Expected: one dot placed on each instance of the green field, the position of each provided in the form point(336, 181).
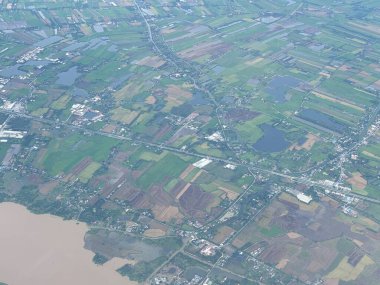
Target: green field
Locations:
point(170, 166)
point(64, 153)
point(250, 130)
point(89, 171)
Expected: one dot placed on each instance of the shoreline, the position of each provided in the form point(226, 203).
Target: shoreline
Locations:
point(46, 249)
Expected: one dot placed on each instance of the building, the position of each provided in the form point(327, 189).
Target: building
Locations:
point(304, 198)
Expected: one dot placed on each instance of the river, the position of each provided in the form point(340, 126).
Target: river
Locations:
point(44, 249)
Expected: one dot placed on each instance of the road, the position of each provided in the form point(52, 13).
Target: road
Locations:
point(250, 167)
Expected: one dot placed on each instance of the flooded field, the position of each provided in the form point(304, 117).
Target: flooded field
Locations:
point(68, 77)
point(322, 120)
point(43, 249)
point(273, 140)
point(279, 86)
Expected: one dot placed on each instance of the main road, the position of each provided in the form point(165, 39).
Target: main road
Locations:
point(250, 167)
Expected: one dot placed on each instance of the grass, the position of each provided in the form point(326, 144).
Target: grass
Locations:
point(171, 184)
point(39, 112)
point(191, 175)
point(61, 102)
point(3, 150)
point(151, 156)
point(207, 150)
point(89, 171)
point(38, 102)
point(343, 246)
point(374, 211)
point(64, 153)
point(339, 87)
point(273, 231)
point(124, 115)
point(250, 130)
point(141, 270)
point(170, 166)
point(346, 272)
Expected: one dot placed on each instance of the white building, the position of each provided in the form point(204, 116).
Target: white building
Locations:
point(304, 198)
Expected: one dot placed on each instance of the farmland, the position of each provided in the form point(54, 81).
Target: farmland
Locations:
point(202, 141)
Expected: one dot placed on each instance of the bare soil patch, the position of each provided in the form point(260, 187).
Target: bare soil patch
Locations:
point(208, 48)
point(357, 181)
point(47, 187)
point(151, 61)
point(154, 233)
point(223, 233)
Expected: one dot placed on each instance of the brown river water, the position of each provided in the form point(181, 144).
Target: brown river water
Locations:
point(46, 250)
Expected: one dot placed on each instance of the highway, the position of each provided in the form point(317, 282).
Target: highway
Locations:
point(250, 167)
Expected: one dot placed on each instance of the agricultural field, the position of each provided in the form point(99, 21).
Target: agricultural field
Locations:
point(300, 240)
point(201, 141)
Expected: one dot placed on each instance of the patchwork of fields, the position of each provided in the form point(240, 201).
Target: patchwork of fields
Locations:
point(182, 133)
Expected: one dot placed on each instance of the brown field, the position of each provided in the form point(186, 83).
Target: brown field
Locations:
point(109, 128)
point(47, 187)
point(293, 235)
point(254, 61)
point(207, 48)
point(150, 100)
point(232, 195)
point(154, 233)
point(337, 100)
point(183, 191)
point(223, 233)
point(151, 61)
point(169, 214)
point(367, 27)
point(176, 95)
point(308, 144)
point(357, 181)
point(132, 89)
point(167, 31)
point(282, 264)
point(187, 171)
point(194, 201)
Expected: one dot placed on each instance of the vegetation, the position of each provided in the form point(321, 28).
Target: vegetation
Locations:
point(141, 270)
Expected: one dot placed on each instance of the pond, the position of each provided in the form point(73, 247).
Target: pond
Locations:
point(11, 71)
point(199, 99)
point(279, 86)
point(322, 120)
point(273, 140)
point(67, 78)
point(80, 94)
point(48, 41)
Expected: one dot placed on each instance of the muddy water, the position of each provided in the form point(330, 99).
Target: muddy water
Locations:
point(43, 249)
